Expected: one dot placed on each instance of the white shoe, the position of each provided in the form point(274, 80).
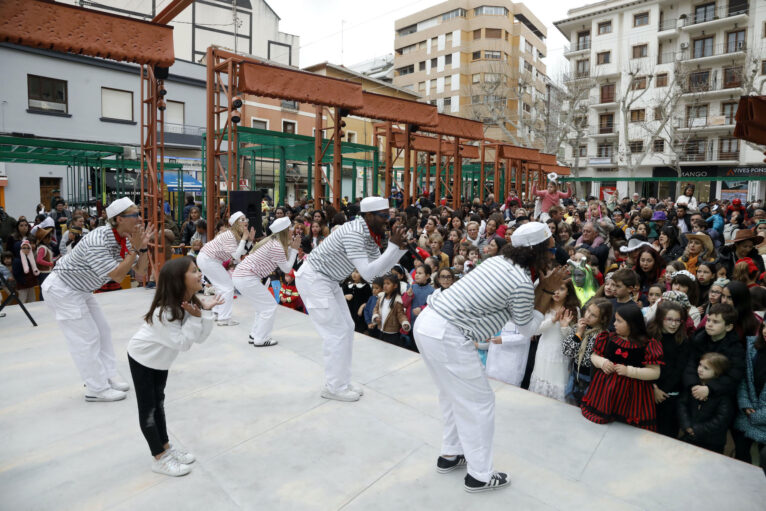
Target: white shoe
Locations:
point(227, 322)
point(181, 456)
point(345, 395)
point(118, 384)
point(357, 389)
point(105, 395)
point(169, 466)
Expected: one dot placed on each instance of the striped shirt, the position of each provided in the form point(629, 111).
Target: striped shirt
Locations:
point(332, 257)
point(221, 247)
point(479, 304)
point(87, 266)
point(263, 261)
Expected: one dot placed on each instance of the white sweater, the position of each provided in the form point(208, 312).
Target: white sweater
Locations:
point(157, 345)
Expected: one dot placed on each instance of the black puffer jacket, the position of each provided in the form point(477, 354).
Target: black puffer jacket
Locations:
point(731, 347)
point(710, 419)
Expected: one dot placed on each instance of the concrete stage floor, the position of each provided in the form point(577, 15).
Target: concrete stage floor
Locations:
point(265, 440)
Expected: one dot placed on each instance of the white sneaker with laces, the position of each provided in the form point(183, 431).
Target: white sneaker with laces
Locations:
point(345, 395)
point(109, 394)
point(181, 456)
point(169, 466)
point(227, 322)
point(118, 384)
point(355, 388)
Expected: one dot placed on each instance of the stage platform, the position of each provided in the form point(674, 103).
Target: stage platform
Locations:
point(265, 440)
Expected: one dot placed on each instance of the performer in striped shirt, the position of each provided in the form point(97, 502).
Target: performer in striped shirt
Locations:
point(354, 244)
point(277, 250)
point(106, 253)
point(475, 308)
point(230, 245)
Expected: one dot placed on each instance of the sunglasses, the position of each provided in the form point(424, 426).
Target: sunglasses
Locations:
point(384, 216)
point(132, 215)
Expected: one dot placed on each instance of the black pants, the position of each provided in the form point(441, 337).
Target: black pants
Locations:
point(150, 396)
point(393, 338)
point(742, 446)
point(667, 417)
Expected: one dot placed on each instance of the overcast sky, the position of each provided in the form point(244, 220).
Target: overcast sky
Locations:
point(368, 28)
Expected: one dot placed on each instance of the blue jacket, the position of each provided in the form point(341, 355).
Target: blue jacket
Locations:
point(370, 308)
point(754, 426)
point(717, 221)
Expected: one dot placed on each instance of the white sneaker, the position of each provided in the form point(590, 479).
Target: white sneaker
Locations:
point(227, 322)
point(118, 384)
point(181, 456)
point(169, 466)
point(105, 395)
point(345, 395)
point(359, 390)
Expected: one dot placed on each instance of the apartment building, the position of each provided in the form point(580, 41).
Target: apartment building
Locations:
point(654, 85)
point(477, 60)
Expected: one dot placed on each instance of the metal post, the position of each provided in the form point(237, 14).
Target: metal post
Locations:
point(389, 163)
point(353, 182)
point(309, 170)
point(375, 175)
point(406, 177)
point(337, 162)
point(282, 171)
point(482, 150)
point(438, 170)
point(317, 156)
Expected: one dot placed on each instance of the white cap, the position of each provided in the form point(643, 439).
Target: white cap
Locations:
point(634, 244)
point(48, 222)
point(233, 218)
point(118, 206)
point(279, 225)
point(530, 234)
point(373, 204)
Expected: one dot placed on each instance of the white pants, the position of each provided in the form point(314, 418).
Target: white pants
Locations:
point(265, 306)
point(466, 399)
point(215, 272)
point(328, 311)
point(85, 328)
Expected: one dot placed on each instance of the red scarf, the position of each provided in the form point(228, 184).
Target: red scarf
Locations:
point(375, 237)
point(123, 243)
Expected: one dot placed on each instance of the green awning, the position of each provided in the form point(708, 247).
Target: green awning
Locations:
point(53, 151)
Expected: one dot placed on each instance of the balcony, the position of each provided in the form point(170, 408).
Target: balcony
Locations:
point(712, 151)
point(604, 101)
point(667, 27)
point(709, 123)
point(582, 75)
point(712, 18)
point(712, 53)
point(714, 87)
point(605, 130)
point(667, 57)
point(581, 46)
point(183, 134)
point(601, 160)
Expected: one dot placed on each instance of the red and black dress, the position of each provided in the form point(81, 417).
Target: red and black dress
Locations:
point(611, 397)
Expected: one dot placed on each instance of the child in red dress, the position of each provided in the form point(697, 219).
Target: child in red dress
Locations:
point(627, 361)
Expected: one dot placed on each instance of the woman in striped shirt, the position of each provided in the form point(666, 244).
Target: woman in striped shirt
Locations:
point(277, 250)
point(228, 245)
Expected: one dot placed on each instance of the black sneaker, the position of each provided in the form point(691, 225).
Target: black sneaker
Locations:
point(443, 465)
point(497, 481)
point(251, 339)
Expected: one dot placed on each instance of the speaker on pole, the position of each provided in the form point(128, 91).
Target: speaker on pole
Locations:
point(248, 203)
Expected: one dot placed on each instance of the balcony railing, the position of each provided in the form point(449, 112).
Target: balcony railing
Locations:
point(711, 151)
point(606, 129)
point(714, 51)
point(666, 24)
point(184, 129)
point(606, 98)
point(715, 14)
point(578, 46)
point(714, 85)
point(666, 58)
point(601, 160)
point(705, 122)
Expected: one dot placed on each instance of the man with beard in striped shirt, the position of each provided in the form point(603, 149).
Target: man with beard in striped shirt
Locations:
point(354, 245)
point(472, 310)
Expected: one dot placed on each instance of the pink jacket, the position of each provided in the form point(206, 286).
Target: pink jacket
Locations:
point(550, 199)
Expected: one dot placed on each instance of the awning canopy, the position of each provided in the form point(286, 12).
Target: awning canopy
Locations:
point(189, 183)
point(52, 151)
point(388, 108)
point(457, 127)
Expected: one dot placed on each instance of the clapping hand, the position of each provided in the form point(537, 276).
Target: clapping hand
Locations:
point(140, 237)
point(554, 279)
point(398, 236)
point(212, 302)
point(191, 308)
point(296, 242)
point(249, 235)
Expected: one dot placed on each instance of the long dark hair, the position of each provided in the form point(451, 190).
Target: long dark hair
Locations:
point(647, 279)
point(631, 314)
point(740, 297)
point(535, 257)
point(655, 327)
point(571, 302)
point(692, 288)
point(171, 290)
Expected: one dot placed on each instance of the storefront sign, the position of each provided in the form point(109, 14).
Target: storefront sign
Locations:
point(745, 171)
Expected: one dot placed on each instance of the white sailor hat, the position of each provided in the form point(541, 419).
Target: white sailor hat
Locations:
point(280, 224)
point(373, 204)
point(530, 234)
point(118, 206)
point(233, 218)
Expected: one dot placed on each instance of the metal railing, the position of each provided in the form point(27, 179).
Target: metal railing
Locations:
point(606, 129)
point(184, 129)
point(704, 122)
point(714, 14)
point(578, 46)
point(710, 151)
point(714, 50)
point(713, 85)
point(667, 24)
point(602, 160)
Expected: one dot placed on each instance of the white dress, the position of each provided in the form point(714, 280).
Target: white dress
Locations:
point(507, 361)
point(551, 372)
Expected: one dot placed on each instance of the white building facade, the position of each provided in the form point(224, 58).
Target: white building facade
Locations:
point(659, 85)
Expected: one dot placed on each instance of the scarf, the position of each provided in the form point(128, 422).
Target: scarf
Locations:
point(28, 260)
point(375, 237)
point(123, 243)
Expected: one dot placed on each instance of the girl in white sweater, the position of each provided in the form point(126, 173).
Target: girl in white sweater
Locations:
point(176, 320)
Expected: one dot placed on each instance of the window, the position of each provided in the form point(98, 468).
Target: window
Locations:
point(422, 65)
point(605, 57)
point(732, 77)
point(259, 124)
point(408, 30)
point(659, 113)
point(528, 66)
point(704, 12)
point(448, 39)
point(406, 70)
point(640, 51)
point(582, 68)
point(527, 107)
point(421, 86)
point(490, 10)
point(492, 55)
point(47, 94)
point(528, 47)
point(638, 115)
point(658, 146)
point(447, 82)
point(605, 150)
point(289, 127)
point(728, 148)
point(493, 77)
point(448, 60)
point(455, 13)
point(729, 111)
point(351, 137)
point(696, 115)
point(583, 40)
point(605, 27)
point(476, 55)
point(699, 81)
point(476, 78)
point(289, 105)
point(763, 67)
point(433, 63)
point(448, 101)
point(607, 93)
point(174, 112)
point(493, 33)
point(639, 83)
point(640, 20)
point(582, 151)
point(407, 49)
point(476, 99)
point(605, 123)
point(636, 146)
point(477, 34)
point(662, 80)
point(735, 41)
point(116, 104)
point(703, 47)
